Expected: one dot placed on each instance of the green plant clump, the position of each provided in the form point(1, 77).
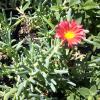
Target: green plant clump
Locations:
point(32, 64)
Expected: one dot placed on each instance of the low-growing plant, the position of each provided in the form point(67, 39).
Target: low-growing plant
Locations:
point(37, 58)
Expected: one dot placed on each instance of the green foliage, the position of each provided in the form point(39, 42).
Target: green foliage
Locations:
point(33, 65)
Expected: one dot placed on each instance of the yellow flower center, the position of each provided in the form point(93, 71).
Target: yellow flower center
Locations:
point(69, 35)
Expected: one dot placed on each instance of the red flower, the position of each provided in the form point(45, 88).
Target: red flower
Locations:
point(70, 32)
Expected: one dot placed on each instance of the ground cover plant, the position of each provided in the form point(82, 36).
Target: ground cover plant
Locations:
point(49, 50)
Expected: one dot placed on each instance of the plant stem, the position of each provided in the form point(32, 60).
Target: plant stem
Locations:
point(55, 50)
